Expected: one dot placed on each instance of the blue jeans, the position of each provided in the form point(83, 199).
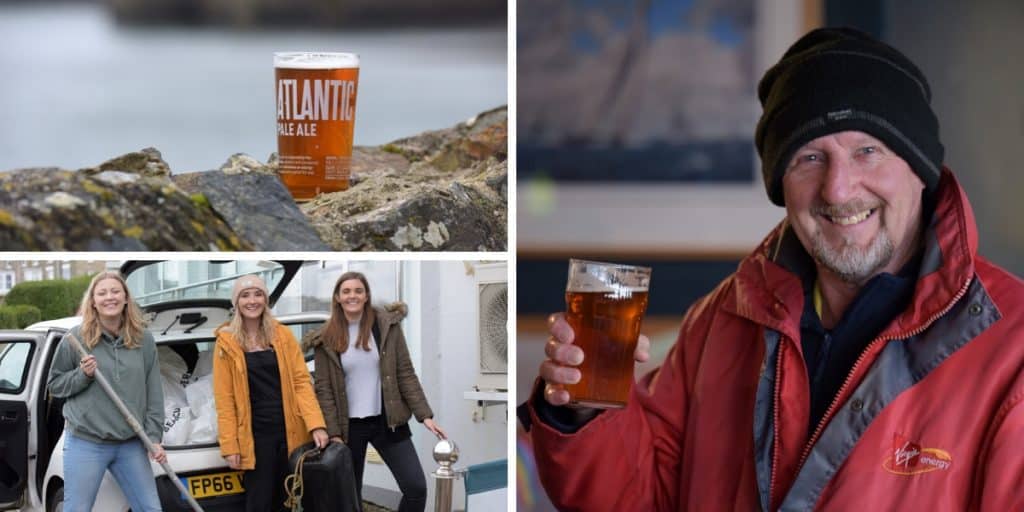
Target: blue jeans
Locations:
point(85, 463)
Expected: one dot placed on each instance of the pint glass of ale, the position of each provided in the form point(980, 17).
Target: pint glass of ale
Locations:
point(605, 304)
point(316, 114)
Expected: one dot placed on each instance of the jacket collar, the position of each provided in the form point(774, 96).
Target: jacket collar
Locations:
point(768, 293)
point(228, 342)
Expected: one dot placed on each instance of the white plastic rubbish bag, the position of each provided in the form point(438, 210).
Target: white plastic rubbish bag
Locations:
point(174, 376)
point(204, 413)
point(177, 425)
point(204, 365)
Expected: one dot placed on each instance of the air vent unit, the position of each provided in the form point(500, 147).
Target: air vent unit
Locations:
point(492, 327)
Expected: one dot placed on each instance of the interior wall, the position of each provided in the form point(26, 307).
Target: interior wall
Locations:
point(973, 55)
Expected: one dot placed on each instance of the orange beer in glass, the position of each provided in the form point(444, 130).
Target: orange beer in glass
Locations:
point(605, 304)
point(316, 114)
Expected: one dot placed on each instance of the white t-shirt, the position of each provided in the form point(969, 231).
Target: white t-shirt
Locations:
point(362, 376)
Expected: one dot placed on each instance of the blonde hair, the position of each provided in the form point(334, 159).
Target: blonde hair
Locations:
point(132, 324)
point(335, 332)
point(264, 333)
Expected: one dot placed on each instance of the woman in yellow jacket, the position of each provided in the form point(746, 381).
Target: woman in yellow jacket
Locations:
point(266, 407)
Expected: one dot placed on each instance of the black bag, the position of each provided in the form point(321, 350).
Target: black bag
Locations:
point(328, 478)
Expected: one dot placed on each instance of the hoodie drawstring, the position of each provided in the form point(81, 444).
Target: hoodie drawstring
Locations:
point(115, 343)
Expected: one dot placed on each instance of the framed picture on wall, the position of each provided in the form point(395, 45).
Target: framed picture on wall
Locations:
point(636, 119)
point(636, 90)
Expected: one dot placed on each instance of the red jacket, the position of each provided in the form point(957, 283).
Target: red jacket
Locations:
point(930, 417)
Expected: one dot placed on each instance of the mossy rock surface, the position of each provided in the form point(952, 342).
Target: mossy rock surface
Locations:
point(441, 190)
point(60, 210)
point(451, 196)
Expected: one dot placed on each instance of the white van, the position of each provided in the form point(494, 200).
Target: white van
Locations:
point(182, 319)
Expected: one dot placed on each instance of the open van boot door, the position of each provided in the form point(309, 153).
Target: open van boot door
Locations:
point(13, 454)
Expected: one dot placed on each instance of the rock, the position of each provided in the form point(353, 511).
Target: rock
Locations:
point(442, 190)
point(480, 137)
point(418, 147)
point(389, 212)
point(499, 183)
point(483, 136)
point(366, 160)
point(241, 163)
point(59, 210)
point(257, 207)
point(147, 162)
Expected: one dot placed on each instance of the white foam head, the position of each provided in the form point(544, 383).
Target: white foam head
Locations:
point(594, 276)
point(315, 60)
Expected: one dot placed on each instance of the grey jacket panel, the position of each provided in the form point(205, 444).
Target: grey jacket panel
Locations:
point(764, 419)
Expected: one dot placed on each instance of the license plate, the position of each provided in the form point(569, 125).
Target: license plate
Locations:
point(216, 484)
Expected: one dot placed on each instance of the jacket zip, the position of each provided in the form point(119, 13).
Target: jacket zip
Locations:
point(380, 348)
point(835, 401)
point(775, 419)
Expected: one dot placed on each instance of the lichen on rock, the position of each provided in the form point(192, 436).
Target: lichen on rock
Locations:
point(80, 211)
point(441, 190)
point(449, 193)
point(241, 163)
point(145, 162)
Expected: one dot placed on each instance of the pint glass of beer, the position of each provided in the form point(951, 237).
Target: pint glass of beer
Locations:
point(316, 114)
point(605, 303)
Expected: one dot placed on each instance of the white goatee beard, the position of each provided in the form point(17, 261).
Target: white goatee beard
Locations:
point(851, 263)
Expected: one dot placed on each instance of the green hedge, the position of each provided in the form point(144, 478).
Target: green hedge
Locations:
point(78, 287)
point(18, 317)
point(56, 298)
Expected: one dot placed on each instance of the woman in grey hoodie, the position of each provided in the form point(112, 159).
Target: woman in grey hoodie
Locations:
point(97, 437)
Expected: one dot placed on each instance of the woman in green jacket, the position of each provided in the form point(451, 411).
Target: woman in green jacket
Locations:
point(367, 387)
point(97, 438)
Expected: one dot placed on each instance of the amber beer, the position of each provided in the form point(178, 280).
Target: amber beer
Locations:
point(316, 113)
point(605, 304)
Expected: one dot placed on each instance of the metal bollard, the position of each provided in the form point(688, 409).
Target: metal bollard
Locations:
point(446, 454)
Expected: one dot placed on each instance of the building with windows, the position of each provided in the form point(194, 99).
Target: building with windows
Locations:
point(14, 272)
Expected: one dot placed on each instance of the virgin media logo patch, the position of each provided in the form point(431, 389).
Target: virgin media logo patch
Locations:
point(909, 458)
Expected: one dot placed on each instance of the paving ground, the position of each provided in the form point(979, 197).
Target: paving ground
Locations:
point(371, 507)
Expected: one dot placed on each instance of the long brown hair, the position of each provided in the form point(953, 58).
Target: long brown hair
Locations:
point(132, 324)
point(335, 333)
point(264, 333)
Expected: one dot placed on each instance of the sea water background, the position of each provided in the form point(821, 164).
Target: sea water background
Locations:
point(77, 89)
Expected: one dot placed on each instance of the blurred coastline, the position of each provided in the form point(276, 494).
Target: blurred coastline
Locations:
point(298, 13)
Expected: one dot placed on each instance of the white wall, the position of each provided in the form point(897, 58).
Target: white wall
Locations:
point(442, 335)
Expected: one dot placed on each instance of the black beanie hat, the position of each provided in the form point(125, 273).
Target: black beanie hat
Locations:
point(838, 79)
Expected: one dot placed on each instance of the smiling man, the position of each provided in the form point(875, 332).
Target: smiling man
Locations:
point(864, 356)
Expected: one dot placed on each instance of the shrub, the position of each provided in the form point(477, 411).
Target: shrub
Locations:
point(55, 298)
point(18, 317)
point(27, 315)
point(78, 287)
point(8, 318)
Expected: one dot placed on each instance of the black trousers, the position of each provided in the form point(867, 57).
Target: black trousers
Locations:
point(264, 485)
point(398, 453)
